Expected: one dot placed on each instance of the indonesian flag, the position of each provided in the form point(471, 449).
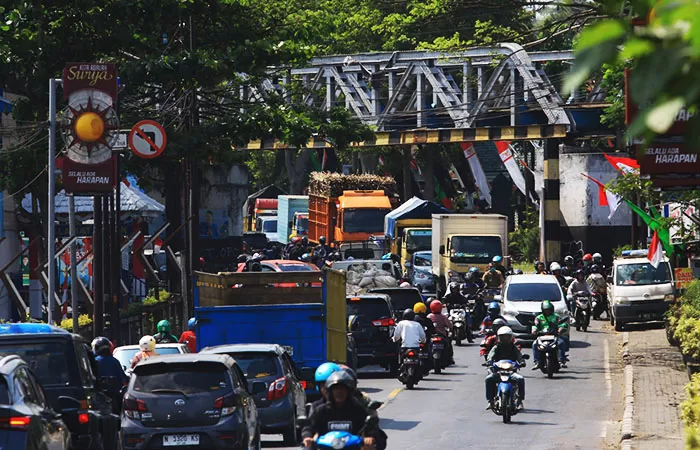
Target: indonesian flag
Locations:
point(626, 165)
point(605, 197)
point(480, 180)
point(506, 153)
point(157, 244)
point(656, 252)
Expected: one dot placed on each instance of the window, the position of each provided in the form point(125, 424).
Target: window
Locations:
point(474, 249)
point(642, 274)
point(4, 392)
point(295, 268)
point(257, 364)
point(238, 377)
point(85, 365)
point(302, 224)
point(53, 362)
point(25, 387)
point(533, 292)
point(423, 260)
point(187, 378)
point(364, 220)
point(419, 240)
point(266, 268)
point(402, 298)
point(269, 226)
point(368, 309)
point(124, 356)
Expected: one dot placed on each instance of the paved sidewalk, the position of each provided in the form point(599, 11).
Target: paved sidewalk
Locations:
point(659, 378)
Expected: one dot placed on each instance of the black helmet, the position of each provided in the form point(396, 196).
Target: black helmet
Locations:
point(408, 314)
point(305, 240)
point(341, 377)
point(498, 323)
point(100, 344)
point(322, 240)
point(580, 272)
point(568, 260)
point(595, 268)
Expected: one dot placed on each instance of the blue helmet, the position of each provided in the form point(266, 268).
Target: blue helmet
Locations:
point(191, 323)
point(387, 256)
point(494, 306)
point(325, 370)
point(497, 259)
point(473, 269)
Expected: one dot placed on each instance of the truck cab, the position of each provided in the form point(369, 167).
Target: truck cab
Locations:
point(414, 240)
point(637, 291)
point(268, 225)
point(300, 224)
point(361, 215)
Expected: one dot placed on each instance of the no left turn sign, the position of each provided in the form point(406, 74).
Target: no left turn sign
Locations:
point(147, 139)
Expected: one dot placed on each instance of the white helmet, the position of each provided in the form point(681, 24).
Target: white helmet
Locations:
point(505, 330)
point(554, 266)
point(405, 284)
point(147, 343)
point(597, 257)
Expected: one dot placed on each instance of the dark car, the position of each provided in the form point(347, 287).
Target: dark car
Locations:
point(401, 298)
point(283, 398)
point(27, 421)
point(63, 364)
point(193, 400)
point(373, 330)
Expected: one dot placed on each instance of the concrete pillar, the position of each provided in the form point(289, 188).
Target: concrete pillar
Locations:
point(550, 202)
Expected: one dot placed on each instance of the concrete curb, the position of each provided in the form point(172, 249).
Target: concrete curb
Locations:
point(625, 347)
point(628, 415)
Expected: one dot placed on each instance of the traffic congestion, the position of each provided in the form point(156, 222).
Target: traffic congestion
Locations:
point(290, 343)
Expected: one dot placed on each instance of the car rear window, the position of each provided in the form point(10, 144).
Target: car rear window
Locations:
point(54, 363)
point(188, 378)
point(402, 298)
point(4, 392)
point(295, 268)
point(368, 308)
point(256, 364)
point(534, 292)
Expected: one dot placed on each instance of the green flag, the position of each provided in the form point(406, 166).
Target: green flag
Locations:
point(315, 163)
point(655, 225)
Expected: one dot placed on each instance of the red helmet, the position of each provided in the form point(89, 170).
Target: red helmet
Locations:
point(296, 240)
point(588, 257)
point(436, 307)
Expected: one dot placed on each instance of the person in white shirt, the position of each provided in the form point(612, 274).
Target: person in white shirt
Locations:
point(578, 286)
point(410, 332)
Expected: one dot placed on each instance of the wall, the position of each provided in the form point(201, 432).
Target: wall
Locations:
point(223, 191)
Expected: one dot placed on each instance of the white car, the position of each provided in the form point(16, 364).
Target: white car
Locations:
point(126, 353)
point(522, 297)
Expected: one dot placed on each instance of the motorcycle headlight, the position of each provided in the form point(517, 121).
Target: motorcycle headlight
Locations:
point(505, 378)
point(669, 298)
point(339, 443)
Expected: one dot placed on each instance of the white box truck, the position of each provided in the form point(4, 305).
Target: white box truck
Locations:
point(461, 241)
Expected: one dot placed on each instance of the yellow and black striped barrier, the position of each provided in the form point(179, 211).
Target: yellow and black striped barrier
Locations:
point(430, 136)
point(550, 202)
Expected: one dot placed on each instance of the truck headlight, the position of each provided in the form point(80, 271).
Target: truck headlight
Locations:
point(622, 300)
point(669, 298)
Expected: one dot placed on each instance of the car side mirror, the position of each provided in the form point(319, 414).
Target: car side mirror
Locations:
point(526, 356)
point(442, 249)
point(407, 264)
point(259, 388)
point(498, 298)
point(68, 404)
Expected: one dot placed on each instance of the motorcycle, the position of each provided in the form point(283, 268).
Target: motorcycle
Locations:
point(410, 372)
point(582, 311)
point(458, 317)
point(506, 402)
point(343, 440)
point(437, 351)
point(425, 359)
point(599, 305)
point(548, 344)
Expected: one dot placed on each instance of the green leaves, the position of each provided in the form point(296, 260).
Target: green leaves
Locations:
point(599, 33)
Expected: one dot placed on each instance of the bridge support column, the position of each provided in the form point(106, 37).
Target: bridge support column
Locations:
point(550, 202)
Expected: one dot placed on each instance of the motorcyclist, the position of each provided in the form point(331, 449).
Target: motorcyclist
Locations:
point(342, 412)
point(555, 268)
point(289, 248)
point(455, 297)
point(188, 337)
point(320, 376)
point(493, 279)
point(540, 268)
point(109, 367)
point(322, 250)
point(598, 260)
point(504, 349)
point(297, 250)
point(409, 331)
point(364, 399)
point(568, 267)
point(163, 336)
point(596, 281)
point(498, 263)
point(578, 286)
point(492, 338)
point(548, 322)
point(587, 261)
point(443, 326)
point(420, 311)
point(147, 346)
point(493, 312)
point(477, 277)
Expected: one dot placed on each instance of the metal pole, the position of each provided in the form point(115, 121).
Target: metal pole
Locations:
point(51, 233)
point(98, 269)
point(73, 262)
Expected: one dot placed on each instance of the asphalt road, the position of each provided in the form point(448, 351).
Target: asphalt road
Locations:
point(577, 409)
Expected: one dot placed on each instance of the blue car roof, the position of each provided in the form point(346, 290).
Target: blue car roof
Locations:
point(31, 328)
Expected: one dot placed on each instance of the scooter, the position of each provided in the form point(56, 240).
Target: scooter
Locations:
point(410, 370)
point(582, 311)
point(599, 305)
point(437, 351)
point(344, 440)
point(506, 402)
point(458, 317)
point(548, 344)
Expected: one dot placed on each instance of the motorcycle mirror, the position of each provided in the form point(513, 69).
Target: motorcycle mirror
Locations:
point(526, 356)
point(371, 421)
point(302, 421)
point(375, 405)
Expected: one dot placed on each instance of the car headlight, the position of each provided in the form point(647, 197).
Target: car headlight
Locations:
point(622, 300)
point(669, 298)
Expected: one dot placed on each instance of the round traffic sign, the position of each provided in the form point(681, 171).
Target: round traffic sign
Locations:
point(147, 139)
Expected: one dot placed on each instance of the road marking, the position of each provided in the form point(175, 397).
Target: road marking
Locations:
point(606, 366)
point(394, 393)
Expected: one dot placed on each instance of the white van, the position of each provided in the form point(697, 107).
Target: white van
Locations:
point(637, 291)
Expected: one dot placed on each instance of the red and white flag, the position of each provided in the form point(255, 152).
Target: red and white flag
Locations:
point(506, 154)
point(480, 180)
point(605, 197)
point(656, 251)
point(622, 164)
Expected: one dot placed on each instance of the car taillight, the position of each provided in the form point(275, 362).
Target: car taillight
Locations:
point(15, 422)
point(303, 384)
point(277, 390)
point(411, 354)
point(227, 404)
point(437, 339)
point(83, 418)
point(384, 323)
point(132, 407)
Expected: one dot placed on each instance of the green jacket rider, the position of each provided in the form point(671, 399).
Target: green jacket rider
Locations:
point(545, 323)
point(164, 336)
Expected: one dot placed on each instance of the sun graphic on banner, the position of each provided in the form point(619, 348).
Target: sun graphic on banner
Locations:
point(88, 126)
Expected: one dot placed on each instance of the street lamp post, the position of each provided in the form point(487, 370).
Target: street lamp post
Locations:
point(51, 220)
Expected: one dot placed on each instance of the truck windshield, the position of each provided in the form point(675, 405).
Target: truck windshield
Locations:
point(417, 240)
point(302, 224)
point(642, 274)
point(269, 226)
point(474, 249)
point(365, 220)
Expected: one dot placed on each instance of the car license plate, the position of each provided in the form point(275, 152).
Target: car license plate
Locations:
point(176, 440)
point(423, 355)
point(438, 346)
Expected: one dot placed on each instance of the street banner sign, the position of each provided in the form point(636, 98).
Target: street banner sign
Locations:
point(97, 76)
point(147, 139)
point(88, 178)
